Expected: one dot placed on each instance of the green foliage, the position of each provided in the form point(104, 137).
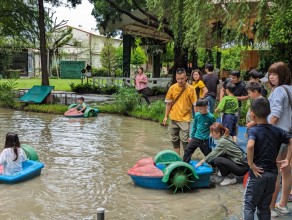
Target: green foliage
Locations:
point(119, 57)
point(274, 27)
point(118, 73)
point(18, 20)
point(154, 113)
point(102, 71)
point(6, 57)
point(6, 92)
point(55, 70)
point(138, 55)
point(230, 58)
point(45, 108)
point(11, 74)
point(89, 88)
point(168, 56)
point(159, 90)
point(127, 99)
point(82, 88)
point(108, 58)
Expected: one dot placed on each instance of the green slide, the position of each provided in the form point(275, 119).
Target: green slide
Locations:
point(37, 94)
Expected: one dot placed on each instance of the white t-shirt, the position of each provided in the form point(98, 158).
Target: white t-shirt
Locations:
point(7, 160)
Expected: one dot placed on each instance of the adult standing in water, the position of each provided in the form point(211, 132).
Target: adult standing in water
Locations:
point(281, 116)
point(180, 100)
point(141, 83)
point(211, 81)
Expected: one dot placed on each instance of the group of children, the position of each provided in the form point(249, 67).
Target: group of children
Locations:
point(264, 143)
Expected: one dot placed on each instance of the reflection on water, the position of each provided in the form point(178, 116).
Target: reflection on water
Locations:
point(86, 162)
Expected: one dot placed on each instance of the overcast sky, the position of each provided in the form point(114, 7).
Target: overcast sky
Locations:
point(81, 15)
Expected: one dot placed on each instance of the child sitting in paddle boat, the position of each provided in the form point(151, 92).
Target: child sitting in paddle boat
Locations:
point(12, 156)
point(81, 106)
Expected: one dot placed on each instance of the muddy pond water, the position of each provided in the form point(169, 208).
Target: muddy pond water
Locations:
point(86, 162)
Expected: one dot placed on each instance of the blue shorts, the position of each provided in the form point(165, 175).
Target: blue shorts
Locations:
point(229, 121)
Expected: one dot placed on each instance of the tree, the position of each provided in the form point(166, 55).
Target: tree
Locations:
point(42, 34)
point(138, 55)
point(18, 20)
point(108, 57)
point(200, 23)
point(56, 37)
point(111, 11)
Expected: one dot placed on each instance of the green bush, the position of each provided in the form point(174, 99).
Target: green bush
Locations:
point(99, 71)
point(89, 88)
point(118, 73)
point(6, 92)
point(11, 74)
point(127, 99)
point(156, 90)
point(53, 109)
point(55, 70)
point(82, 88)
point(109, 90)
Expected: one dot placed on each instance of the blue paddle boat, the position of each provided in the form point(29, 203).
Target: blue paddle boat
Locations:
point(30, 168)
point(167, 170)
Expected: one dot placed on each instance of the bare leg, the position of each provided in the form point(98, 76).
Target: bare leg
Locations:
point(280, 156)
point(286, 186)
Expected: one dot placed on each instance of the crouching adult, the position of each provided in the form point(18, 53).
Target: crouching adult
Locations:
point(226, 156)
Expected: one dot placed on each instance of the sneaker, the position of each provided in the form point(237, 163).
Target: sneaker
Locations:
point(281, 209)
point(274, 213)
point(227, 181)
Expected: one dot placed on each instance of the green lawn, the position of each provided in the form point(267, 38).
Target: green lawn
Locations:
point(60, 84)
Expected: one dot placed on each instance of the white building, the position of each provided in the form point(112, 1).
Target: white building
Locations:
point(86, 46)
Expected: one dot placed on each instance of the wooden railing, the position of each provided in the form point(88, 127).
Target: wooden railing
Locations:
point(123, 81)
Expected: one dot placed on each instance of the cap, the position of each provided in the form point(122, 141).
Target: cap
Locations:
point(265, 78)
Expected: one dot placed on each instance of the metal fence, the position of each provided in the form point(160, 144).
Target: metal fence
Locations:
point(123, 81)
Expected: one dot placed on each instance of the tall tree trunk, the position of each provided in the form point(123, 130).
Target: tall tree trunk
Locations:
point(45, 75)
point(218, 60)
point(194, 59)
point(180, 60)
point(156, 65)
point(126, 54)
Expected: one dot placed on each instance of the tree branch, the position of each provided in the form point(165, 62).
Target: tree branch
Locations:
point(148, 14)
point(144, 12)
point(152, 24)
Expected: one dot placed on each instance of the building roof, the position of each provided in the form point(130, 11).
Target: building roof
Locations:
point(132, 27)
point(95, 33)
